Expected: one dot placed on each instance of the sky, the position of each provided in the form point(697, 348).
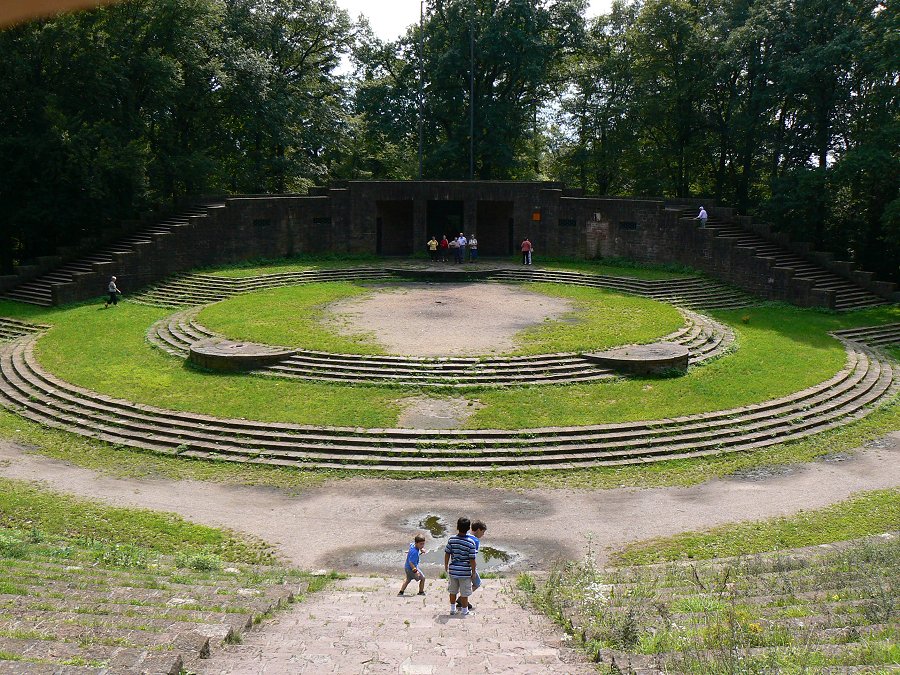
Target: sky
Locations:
point(389, 18)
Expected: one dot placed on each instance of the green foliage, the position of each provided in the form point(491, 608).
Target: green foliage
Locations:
point(866, 514)
point(198, 561)
point(123, 537)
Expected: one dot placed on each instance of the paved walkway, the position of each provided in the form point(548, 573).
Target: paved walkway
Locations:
point(359, 625)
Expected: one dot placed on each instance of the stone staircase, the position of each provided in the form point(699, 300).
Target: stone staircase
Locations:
point(867, 380)
point(10, 329)
point(876, 336)
point(706, 339)
point(199, 289)
point(848, 295)
point(105, 260)
point(65, 612)
point(824, 609)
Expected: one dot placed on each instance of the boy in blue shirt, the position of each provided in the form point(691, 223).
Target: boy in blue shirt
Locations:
point(459, 563)
point(411, 568)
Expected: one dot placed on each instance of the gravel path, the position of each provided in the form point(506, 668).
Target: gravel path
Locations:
point(360, 626)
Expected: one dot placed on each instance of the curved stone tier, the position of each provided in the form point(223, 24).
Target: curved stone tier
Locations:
point(200, 289)
point(867, 380)
point(876, 336)
point(704, 338)
point(10, 329)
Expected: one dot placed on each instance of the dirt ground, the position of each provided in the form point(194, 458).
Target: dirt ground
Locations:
point(341, 524)
point(474, 319)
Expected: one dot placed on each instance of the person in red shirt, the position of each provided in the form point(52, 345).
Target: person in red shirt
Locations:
point(526, 251)
point(445, 248)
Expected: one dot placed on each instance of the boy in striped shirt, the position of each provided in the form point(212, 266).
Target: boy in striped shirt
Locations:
point(459, 563)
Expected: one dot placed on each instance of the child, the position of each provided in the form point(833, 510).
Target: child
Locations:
point(459, 563)
point(475, 535)
point(412, 565)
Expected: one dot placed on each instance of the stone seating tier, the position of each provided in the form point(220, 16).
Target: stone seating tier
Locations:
point(868, 380)
point(199, 289)
point(704, 339)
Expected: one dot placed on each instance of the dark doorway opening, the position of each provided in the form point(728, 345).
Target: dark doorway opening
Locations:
point(444, 217)
point(495, 228)
point(394, 221)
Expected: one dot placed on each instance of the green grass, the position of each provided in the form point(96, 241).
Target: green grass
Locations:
point(619, 267)
point(601, 319)
point(117, 360)
point(129, 463)
point(291, 316)
point(865, 514)
point(26, 507)
point(252, 268)
point(781, 349)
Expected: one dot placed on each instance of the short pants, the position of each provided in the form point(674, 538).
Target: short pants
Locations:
point(410, 575)
point(461, 587)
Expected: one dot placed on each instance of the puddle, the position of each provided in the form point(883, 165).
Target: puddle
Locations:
point(434, 525)
point(491, 557)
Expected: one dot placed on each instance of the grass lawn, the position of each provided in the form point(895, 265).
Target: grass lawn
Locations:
point(25, 507)
point(782, 349)
point(866, 514)
point(289, 316)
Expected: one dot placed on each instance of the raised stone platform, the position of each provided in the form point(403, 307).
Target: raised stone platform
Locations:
point(652, 359)
point(217, 353)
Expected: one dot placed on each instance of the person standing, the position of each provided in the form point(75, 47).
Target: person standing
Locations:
point(461, 250)
point(526, 251)
point(459, 564)
point(454, 248)
point(473, 248)
point(114, 293)
point(702, 217)
point(444, 247)
point(475, 535)
point(433, 248)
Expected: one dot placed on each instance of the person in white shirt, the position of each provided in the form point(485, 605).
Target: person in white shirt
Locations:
point(702, 217)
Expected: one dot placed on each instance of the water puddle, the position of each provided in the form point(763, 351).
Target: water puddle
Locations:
point(491, 557)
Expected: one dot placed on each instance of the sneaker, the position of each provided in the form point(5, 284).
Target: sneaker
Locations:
point(466, 611)
point(399, 592)
point(452, 610)
point(421, 593)
point(459, 606)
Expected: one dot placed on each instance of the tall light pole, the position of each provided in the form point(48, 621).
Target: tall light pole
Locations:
point(421, 82)
point(472, 93)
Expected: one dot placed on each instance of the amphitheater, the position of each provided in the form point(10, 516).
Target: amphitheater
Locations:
point(164, 266)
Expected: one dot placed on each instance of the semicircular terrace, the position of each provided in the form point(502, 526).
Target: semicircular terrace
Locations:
point(705, 339)
point(867, 380)
point(201, 289)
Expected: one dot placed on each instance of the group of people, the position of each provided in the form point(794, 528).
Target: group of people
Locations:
point(440, 250)
point(459, 564)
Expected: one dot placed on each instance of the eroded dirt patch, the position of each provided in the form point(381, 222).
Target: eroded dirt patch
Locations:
point(425, 412)
point(445, 319)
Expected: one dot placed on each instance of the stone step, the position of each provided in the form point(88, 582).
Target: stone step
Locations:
point(849, 394)
point(705, 338)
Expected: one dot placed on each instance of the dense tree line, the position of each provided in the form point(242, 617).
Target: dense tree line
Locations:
point(785, 109)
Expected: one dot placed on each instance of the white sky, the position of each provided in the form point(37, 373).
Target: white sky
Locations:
point(389, 18)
